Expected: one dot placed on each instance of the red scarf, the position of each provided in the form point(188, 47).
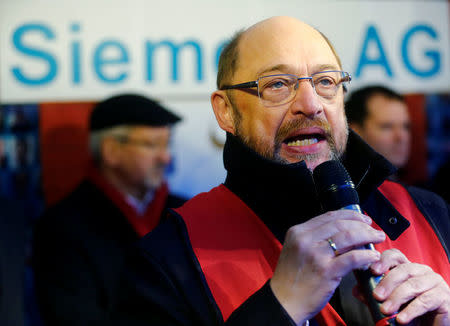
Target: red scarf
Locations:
point(236, 250)
point(142, 224)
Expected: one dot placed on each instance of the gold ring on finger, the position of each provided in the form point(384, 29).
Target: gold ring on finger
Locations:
point(333, 246)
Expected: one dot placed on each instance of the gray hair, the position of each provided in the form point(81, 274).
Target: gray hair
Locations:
point(96, 138)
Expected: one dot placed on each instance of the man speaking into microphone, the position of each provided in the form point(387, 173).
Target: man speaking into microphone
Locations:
point(257, 249)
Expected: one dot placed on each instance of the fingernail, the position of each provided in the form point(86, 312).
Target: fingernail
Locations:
point(402, 317)
point(376, 254)
point(376, 268)
point(387, 306)
point(379, 292)
point(381, 234)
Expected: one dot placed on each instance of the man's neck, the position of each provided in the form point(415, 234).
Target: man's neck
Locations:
point(120, 185)
point(140, 205)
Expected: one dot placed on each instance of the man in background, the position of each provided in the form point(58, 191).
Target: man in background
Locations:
point(80, 242)
point(380, 116)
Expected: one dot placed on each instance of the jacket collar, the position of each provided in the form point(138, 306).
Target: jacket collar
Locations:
point(367, 168)
point(283, 195)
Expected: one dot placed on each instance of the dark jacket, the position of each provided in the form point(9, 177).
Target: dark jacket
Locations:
point(13, 235)
point(166, 285)
point(78, 260)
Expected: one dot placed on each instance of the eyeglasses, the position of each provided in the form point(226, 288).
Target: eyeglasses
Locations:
point(280, 89)
point(144, 143)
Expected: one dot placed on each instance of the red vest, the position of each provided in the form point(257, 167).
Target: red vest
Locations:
point(238, 253)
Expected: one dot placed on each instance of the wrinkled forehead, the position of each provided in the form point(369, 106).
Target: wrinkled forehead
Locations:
point(285, 42)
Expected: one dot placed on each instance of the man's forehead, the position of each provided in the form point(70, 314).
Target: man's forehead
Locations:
point(283, 42)
point(378, 105)
point(149, 130)
point(286, 68)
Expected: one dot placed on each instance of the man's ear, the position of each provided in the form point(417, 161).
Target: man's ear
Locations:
point(223, 111)
point(109, 150)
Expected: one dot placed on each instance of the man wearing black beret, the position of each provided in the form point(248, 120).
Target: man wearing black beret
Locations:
point(80, 243)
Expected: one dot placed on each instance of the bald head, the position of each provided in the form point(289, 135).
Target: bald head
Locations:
point(262, 60)
point(272, 28)
point(279, 33)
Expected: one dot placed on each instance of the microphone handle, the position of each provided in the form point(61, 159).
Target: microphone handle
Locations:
point(368, 282)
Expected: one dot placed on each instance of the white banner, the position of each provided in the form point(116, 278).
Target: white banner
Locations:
point(88, 49)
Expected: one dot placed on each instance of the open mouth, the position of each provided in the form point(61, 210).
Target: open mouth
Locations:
point(304, 139)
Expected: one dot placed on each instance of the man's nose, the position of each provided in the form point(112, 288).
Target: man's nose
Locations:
point(164, 155)
point(402, 134)
point(306, 100)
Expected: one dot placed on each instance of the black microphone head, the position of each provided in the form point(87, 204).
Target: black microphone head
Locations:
point(334, 186)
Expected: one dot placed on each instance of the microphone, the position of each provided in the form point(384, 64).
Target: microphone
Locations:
point(336, 190)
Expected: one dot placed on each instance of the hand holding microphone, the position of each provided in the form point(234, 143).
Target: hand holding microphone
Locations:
point(337, 191)
point(308, 272)
point(318, 253)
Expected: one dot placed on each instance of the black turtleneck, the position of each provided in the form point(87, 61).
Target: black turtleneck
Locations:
point(275, 192)
point(283, 195)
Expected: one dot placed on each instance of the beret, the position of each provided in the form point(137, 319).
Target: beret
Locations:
point(130, 109)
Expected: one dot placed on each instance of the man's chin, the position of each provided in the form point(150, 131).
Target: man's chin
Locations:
point(398, 163)
point(154, 184)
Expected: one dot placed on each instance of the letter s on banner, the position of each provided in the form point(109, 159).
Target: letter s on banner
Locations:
point(27, 50)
